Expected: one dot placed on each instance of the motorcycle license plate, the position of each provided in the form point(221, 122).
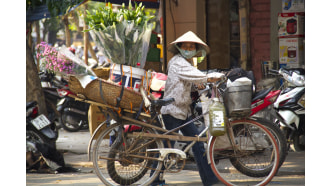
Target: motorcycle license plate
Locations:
point(40, 122)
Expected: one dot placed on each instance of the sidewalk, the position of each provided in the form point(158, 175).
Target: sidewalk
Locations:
point(74, 145)
point(74, 148)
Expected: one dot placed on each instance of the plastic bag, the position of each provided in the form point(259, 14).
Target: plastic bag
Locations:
point(78, 67)
point(124, 43)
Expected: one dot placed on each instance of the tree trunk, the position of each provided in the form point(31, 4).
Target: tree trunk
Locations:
point(86, 40)
point(29, 37)
point(90, 48)
point(67, 31)
point(79, 29)
point(52, 37)
point(38, 41)
point(33, 85)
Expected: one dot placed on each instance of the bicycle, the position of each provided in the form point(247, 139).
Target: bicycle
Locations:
point(124, 152)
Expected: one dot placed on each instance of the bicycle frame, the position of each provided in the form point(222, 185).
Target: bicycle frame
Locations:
point(146, 120)
point(173, 134)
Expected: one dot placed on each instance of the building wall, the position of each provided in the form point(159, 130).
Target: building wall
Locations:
point(191, 15)
point(218, 29)
point(259, 35)
point(183, 16)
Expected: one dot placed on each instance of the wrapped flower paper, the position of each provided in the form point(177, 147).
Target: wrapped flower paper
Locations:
point(122, 36)
point(62, 62)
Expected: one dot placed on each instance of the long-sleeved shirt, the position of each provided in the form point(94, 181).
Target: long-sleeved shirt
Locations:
point(180, 78)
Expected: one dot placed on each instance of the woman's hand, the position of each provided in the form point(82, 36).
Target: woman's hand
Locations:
point(200, 86)
point(215, 76)
point(213, 79)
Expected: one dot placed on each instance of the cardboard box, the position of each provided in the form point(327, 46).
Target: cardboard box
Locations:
point(95, 118)
point(292, 52)
point(291, 24)
point(293, 6)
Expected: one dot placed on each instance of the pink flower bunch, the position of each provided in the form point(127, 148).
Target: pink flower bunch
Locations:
point(52, 61)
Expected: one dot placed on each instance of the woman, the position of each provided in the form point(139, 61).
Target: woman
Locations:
point(180, 80)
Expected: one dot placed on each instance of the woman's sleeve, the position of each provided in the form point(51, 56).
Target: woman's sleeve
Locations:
point(189, 73)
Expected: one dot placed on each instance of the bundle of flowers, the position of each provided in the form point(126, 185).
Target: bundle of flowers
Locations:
point(122, 36)
point(62, 61)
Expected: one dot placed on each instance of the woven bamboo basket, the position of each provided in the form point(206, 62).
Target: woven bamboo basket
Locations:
point(110, 91)
point(75, 86)
point(102, 73)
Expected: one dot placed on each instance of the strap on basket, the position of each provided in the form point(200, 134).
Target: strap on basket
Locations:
point(122, 88)
point(101, 92)
point(140, 109)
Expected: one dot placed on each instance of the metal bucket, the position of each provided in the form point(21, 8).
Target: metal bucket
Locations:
point(237, 100)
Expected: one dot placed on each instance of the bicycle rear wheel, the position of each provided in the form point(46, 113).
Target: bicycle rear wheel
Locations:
point(256, 152)
point(115, 161)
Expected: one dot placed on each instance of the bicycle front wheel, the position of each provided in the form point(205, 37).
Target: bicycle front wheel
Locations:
point(119, 158)
point(255, 151)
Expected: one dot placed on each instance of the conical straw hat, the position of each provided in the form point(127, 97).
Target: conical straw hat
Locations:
point(189, 37)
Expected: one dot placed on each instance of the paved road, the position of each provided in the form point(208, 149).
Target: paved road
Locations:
point(74, 146)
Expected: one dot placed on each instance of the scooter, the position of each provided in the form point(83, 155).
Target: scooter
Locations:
point(41, 153)
point(49, 83)
point(38, 127)
point(72, 115)
point(290, 107)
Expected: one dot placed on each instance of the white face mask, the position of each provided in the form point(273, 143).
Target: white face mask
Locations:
point(186, 53)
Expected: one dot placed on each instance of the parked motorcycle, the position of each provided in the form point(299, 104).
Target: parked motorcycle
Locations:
point(72, 115)
point(290, 107)
point(49, 84)
point(38, 127)
point(41, 153)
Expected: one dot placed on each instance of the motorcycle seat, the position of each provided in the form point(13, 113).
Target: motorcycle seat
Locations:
point(299, 71)
point(261, 94)
point(30, 104)
point(162, 102)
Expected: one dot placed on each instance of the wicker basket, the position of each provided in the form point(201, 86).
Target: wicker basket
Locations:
point(75, 86)
point(102, 73)
point(110, 91)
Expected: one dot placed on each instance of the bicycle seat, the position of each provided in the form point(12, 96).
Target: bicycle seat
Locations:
point(261, 94)
point(162, 102)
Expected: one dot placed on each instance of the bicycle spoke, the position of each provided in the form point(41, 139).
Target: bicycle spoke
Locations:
point(255, 158)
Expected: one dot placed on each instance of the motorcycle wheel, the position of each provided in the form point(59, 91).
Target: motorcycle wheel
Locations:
point(53, 115)
point(72, 126)
point(279, 137)
point(34, 136)
point(298, 142)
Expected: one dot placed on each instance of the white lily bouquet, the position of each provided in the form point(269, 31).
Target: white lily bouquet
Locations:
point(122, 36)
